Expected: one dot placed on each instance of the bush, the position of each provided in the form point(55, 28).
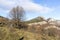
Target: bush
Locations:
point(19, 25)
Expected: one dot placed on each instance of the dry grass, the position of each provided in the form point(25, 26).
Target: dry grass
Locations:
point(15, 34)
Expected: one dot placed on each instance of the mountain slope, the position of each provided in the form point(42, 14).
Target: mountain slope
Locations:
point(37, 19)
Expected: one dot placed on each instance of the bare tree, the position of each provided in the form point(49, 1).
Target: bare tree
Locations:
point(17, 14)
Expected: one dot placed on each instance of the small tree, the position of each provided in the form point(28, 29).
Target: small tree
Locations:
point(17, 15)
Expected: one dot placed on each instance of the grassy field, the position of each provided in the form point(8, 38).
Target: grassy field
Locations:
point(7, 33)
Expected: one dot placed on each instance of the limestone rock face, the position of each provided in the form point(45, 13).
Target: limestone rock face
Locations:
point(50, 19)
point(58, 23)
point(40, 23)
point(54, 22)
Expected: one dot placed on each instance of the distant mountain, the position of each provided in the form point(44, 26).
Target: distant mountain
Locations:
point(37, 19)
point(50, 19)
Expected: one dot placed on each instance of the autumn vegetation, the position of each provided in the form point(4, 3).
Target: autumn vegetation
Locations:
point(15, 28)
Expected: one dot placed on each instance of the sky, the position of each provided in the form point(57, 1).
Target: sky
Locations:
point(33, 8)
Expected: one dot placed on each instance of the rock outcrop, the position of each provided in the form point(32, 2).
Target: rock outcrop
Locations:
point(49, 23)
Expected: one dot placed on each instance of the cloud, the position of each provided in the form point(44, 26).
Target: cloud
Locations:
point(28, 5)
point(33, 7)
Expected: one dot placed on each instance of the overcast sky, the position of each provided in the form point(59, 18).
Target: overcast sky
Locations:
point(33, 8)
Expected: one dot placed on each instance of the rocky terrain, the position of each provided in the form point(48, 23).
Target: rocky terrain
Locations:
point(46, 24)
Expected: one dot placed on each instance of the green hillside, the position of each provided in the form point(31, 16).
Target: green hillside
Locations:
point(37, 19)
